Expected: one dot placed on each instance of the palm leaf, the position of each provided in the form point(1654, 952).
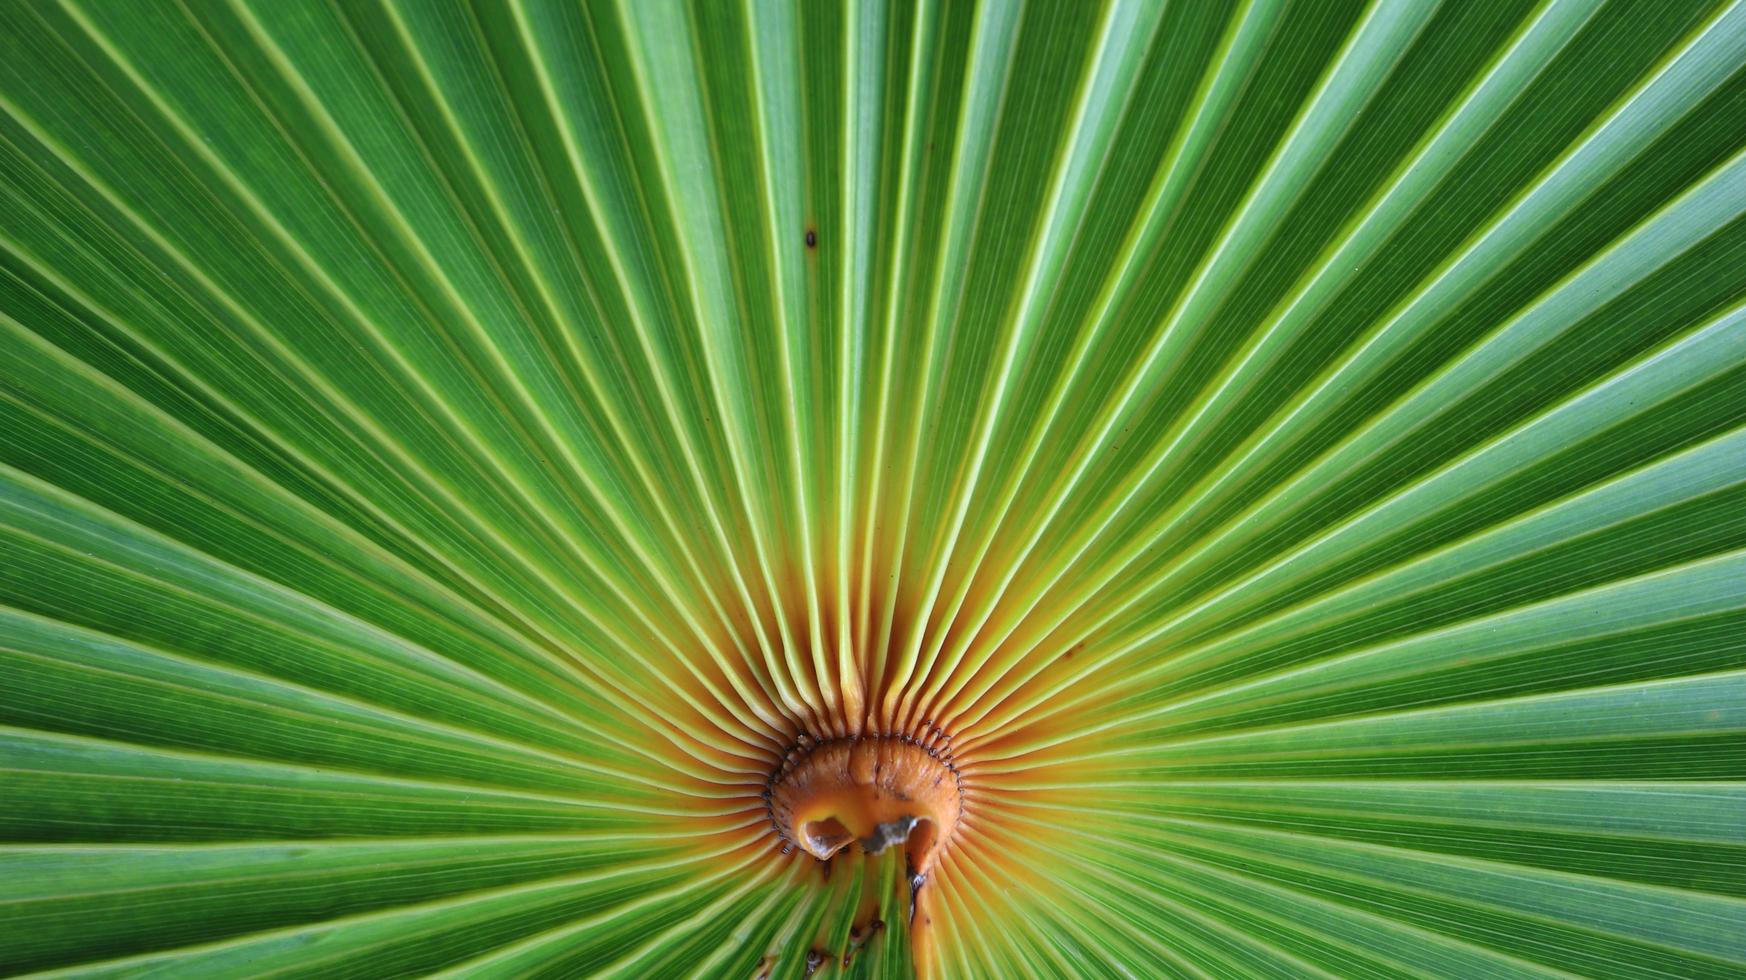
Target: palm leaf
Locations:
point(1288, 458)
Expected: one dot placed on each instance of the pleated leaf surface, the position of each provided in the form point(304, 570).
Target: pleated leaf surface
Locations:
point(1290, 455)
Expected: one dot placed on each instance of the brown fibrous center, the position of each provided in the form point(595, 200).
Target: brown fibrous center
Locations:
point(875, 792)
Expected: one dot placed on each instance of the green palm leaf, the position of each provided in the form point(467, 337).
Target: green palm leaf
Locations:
point(1284, 460)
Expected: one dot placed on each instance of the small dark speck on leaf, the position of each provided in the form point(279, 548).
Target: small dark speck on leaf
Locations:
point(811, 238)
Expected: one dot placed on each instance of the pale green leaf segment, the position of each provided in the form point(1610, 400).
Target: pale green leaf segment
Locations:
point(1294, 449)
